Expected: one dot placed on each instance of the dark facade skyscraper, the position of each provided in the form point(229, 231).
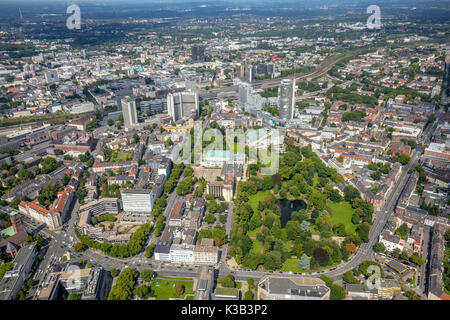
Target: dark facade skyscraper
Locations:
point(249, 74)
point(198, 53)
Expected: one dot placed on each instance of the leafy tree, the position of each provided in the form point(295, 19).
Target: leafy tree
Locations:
point(78, 247)
point(396, 253)
point(146, 275)
point(4, 268)
point(304, 262)
point(402, 158)
point(178, 290)
point(293, 229)
point(223, 218)
point(337, 292)
point(328, 281)
point(411, 295)
point(339, 230)
point(252, 261)
point(113, 272)
point(250, 282)
point(149, 251)
point(248, 295)
point(350, 278)
point(415, 258)
point(209, 218)
point(272, 260)
point(228, 281)
point(379, 247)
point(321, 256)
point(363, 231)
point(142, 291)
point(402, 231)
point(351, 193)
point(376, 175)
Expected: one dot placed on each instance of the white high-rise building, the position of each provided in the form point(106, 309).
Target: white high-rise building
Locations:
point(129, 112)
point(245, 90)
point(286, 99)
point(182, 104)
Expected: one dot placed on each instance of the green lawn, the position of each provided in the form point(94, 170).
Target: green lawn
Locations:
point(291, 265)
point(342, 213)
point(254, 199)
point(121, 156)
point(165, 289)
point(256, 248)
point(253, 233)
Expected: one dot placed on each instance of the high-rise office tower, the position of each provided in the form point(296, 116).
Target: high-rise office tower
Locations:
point(261, 68)
point(245, 90)
point(129, 112)
point(286, 99)
point(239, 71)
point(249, 73)
point(182, 104)
point(198, 53)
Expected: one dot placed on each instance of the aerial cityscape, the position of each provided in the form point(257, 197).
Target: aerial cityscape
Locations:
point(224, 150)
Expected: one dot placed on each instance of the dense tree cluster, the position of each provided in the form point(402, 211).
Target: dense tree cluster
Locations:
point(119, 250)
point(174, 175)
point(123, 289)
point(338, 93)
point(186, 185)
point(401, 158)
point(308, 179)
point(402, 231)
point(336, 291)
point(149, 250)
point(49, 164)
point(4, 268)
point(217, 233)
point(213, 207)
point(228, 281)
point(200, 189)
point(446, 273)
point(146, 275)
